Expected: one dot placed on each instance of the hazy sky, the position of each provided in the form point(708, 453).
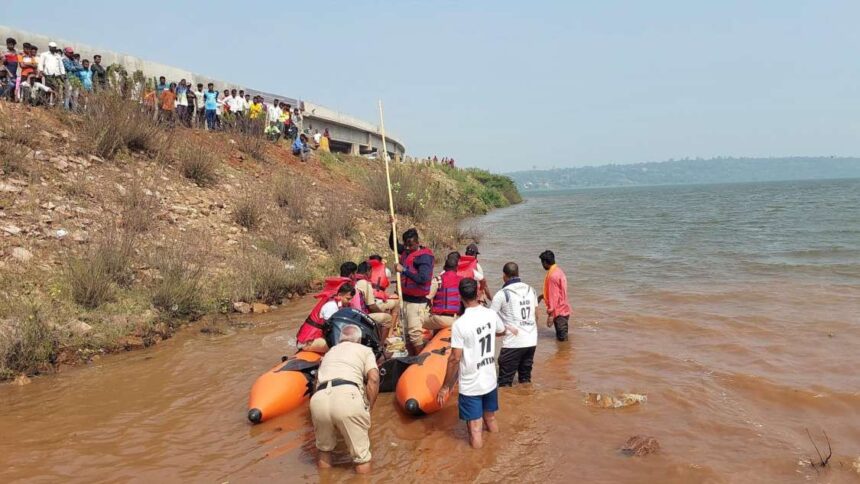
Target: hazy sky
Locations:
point(508, 85)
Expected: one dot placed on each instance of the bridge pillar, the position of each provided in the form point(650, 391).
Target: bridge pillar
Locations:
point(354, 149)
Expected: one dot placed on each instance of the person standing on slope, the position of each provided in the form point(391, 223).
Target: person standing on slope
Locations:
point(555, 296)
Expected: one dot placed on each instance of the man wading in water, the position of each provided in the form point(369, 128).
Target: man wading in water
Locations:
point(516, 305)
point(555, 296)
point(473, 351)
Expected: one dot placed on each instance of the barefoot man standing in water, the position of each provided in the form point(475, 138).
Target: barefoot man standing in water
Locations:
point(473, 357)
point(555, 296)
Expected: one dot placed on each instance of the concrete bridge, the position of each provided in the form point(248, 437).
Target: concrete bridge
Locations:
point(348, 134)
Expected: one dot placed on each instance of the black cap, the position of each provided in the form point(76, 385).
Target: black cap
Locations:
point(472, 249)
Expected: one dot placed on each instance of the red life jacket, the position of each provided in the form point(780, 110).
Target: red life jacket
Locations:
point(466, 268)
point(377, 275)
point(378, 279)
point(467, 265)
point(312, 328)
point(410, 287)
point(447, 299)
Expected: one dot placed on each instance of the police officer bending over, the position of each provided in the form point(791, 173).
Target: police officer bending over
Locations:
point(348, 383)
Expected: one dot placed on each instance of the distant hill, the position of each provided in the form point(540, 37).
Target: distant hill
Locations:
point(683, 172)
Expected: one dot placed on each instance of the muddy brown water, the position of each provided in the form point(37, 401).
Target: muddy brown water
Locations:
point(734, 308)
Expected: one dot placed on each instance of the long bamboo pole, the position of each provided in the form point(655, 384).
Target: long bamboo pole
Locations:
point(391, 212)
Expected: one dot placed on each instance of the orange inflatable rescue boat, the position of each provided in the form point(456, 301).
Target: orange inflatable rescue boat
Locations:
point(283, 388)
point(420, 383)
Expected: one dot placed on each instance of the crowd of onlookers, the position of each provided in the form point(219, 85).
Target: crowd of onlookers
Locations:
point(434, 160)
point(59, 77)
point(48, 78)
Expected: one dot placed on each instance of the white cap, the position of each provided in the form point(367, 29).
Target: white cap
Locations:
point(52, 44)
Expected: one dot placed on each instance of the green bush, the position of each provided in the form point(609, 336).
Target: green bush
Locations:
point(412, 191)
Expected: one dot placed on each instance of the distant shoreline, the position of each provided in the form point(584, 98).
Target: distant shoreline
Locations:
point(689, 172)
point(702, 184)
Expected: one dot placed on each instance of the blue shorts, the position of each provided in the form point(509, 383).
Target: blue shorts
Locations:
point(473, 408)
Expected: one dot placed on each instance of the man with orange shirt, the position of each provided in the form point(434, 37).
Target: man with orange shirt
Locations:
point(555, 296)
point(167, 101)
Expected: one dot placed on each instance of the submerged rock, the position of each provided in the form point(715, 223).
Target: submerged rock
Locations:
point(640, 446)
point(21, 380)
point(610, 401)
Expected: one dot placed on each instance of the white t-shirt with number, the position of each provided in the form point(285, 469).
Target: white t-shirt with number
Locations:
point(516, 305)
point(475, 333)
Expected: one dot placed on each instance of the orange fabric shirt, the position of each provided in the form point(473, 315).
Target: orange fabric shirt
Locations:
point(168, 100)
point(555, 292)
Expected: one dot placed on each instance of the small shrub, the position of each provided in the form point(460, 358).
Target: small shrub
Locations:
point(264, 276)
point(293, 195)
point(117, 254)
point(18, 133)
point(335, 224)
point(138, 208)
point(89, 282)
point(199, 166)
point(178, 290)
point(16, 146)
point(440, 234)
point(92, 277)
point(283, 247)
point(466, 234)
point(13, 158)
point(249, 138)
point(76, 189)
point(249, 212)
point(27, 343)
point(411, 189)
point(112, 123)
